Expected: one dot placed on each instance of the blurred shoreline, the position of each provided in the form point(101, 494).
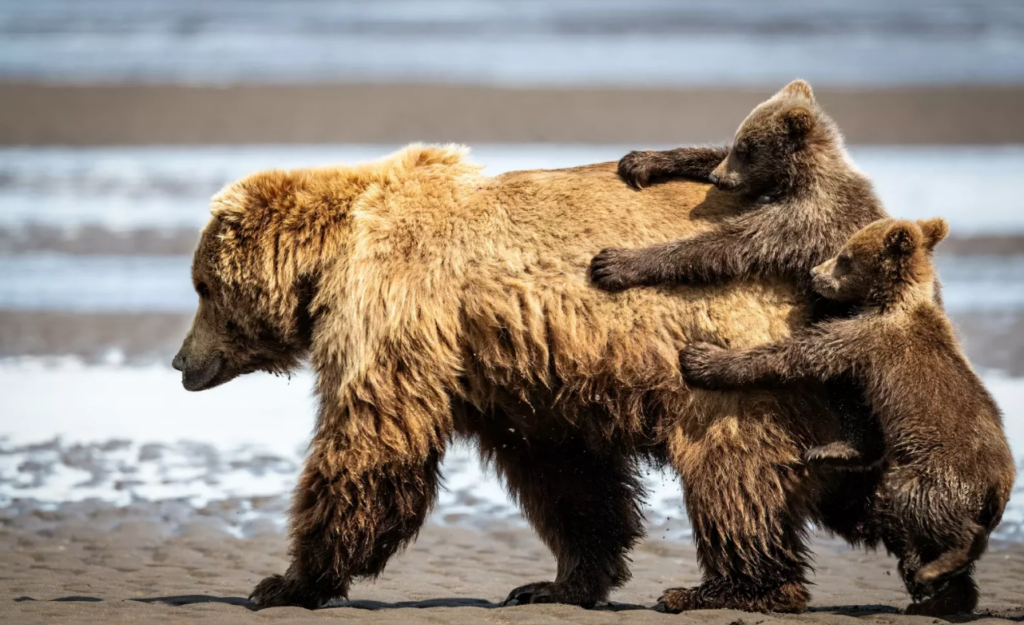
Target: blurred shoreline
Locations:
point(39, 114)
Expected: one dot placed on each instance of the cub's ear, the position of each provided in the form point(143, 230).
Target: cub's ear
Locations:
point(934, 230)
point(901, 238)
point(799, 120)
point(799, 88)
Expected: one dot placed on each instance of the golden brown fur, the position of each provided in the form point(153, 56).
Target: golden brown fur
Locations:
point(434, 301)
point(949, 469)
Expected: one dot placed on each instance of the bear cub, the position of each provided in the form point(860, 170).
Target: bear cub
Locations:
point(949, 470)
point(802, 200)
point(802, 197)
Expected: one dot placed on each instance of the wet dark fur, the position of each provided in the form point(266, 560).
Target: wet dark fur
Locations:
point(949, 471)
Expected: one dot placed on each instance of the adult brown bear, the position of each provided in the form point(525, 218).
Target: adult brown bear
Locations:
point(434, 301)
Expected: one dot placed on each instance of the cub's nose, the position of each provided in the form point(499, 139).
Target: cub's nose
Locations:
point(714, 179)
point(179, 362)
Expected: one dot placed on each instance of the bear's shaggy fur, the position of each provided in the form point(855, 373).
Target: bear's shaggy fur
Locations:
point(950, 470)
point(433, 301)
point(802, 198)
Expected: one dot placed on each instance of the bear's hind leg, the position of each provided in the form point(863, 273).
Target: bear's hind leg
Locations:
point(584, 504)
point(346, 522)
point(745, 495)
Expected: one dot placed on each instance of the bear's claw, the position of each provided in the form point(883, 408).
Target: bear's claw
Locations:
point(278, 591)
point(611, 270)
point(538, 592)
point(552, 592)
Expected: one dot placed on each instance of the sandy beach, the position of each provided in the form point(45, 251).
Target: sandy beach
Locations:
point(99, 564)
point(139, 114)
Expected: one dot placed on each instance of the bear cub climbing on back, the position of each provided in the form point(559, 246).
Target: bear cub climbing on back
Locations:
point(949, 468)
point(802, 200)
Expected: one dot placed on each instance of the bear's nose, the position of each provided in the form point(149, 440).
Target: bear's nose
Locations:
point(714, 179)
point(179, 362)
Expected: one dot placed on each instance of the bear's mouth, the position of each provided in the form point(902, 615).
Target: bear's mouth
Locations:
point(203, 377)
point(825, 286)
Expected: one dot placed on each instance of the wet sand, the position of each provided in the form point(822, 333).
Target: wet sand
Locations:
point(139, 114)
point(96, 563)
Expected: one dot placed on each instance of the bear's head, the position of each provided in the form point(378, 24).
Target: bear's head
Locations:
point(255, 290)
point(886, 263)
point(778, 145)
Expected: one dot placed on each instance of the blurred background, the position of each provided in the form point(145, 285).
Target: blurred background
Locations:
point(121, 117)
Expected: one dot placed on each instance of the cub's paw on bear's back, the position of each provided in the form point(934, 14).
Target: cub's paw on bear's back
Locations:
point(638, 167)
point(616, 269)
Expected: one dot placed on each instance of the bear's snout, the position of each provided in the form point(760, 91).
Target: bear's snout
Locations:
point(198, 374)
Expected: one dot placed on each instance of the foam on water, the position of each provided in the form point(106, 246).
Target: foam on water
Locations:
point(124, 435)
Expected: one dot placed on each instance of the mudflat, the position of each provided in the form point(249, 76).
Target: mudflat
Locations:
point(93, 562)
point(140, 114)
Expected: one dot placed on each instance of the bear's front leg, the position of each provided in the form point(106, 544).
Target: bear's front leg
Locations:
point(347, 519)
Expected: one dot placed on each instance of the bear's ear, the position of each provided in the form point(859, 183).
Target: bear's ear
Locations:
point(229, 204)
point(934, 230)
point(799, 120)
point(900, 239)
point(799, 88)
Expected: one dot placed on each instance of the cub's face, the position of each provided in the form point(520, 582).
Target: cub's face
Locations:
point(231, 335)
point(763, 156)
point(880, 262)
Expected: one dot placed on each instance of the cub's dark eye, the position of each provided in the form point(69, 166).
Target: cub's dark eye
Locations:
point(231, 327)
point(844, 262)
point(203, 290)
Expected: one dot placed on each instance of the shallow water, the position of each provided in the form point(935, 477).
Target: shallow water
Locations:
point(976, 188)
point(527, 42)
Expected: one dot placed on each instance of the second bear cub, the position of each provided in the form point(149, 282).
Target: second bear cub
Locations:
point(949, 468)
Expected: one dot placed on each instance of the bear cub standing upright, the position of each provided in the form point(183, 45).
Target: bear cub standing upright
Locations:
point(949, 468)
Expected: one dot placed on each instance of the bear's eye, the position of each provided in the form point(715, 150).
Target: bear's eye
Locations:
point(231, 327)
point(203, 290)
point(844, 262)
